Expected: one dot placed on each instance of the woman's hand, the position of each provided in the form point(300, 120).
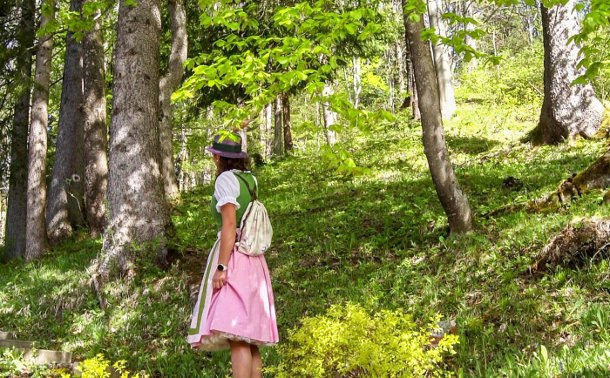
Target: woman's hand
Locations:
point(219, 279)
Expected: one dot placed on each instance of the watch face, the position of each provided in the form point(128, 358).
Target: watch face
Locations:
point(221, 267)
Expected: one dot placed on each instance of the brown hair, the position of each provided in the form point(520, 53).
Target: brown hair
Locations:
point(226, 164)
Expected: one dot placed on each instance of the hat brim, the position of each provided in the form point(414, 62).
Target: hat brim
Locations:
point(230, 155)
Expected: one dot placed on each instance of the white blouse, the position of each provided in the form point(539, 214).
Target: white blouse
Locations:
point(226, 189)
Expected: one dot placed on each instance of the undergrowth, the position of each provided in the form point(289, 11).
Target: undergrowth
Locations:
point(379, 241)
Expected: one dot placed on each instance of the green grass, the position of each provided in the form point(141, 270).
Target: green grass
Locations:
point(380, 240)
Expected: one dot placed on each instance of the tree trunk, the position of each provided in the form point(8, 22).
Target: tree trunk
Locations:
point(442, 60)
point(357, 80)
point(14, 242)
point(390, 78)
point(567, 110)
point(168, 84)
point(411, 99)
point(583, 240)
point(95, 138)
point(330, 117)
point(454, 201)
point(400, 57)
point(287, 123)
point(277, 131)
point(469, 11)
point(36, 234)
point(66, 191)
point(596, 176)
point(268, 127)
point(138, 212)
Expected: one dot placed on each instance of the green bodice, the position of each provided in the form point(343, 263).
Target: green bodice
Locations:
point(243, 199)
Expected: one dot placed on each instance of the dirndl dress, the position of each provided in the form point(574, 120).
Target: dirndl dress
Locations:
point(242, 309)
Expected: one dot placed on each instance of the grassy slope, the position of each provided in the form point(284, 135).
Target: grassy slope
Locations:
point(379, 240)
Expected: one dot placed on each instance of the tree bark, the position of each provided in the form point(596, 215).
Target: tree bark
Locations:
point(138, 212)
point(357, 80)
point(277, 131)
point(95, 134)
point(66, 191)
point(330, 117)
point(567, 110)
point(411, 99)
point(168, 84)
point(469, 11)
point(14, 242)
point(36, 234)
point(287, 123)
point(581, 240)
point(442, 60)
point(454, 201)
point(268, 129)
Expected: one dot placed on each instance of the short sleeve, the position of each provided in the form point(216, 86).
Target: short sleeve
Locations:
point(226, 190)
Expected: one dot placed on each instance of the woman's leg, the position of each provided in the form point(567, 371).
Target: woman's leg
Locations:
point(257, 362)
point(241, 358)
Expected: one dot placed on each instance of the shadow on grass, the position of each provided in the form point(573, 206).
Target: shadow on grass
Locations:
point(470, 145)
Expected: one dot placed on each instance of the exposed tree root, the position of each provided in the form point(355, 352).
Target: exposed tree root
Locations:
point(597, 176)
point(586, 239)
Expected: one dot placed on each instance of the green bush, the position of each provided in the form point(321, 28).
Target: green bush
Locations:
point(350, 341)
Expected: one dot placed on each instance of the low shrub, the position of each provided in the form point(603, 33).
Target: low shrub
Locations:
point(350, 341)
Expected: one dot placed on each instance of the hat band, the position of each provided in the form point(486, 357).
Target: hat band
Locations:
point(236, 148)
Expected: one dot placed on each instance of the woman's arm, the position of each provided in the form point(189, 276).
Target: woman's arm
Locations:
point(227, 242)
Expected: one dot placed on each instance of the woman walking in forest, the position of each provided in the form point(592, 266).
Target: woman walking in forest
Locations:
point(235, 307)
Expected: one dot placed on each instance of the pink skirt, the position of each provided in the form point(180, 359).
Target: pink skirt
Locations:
point(243, 309)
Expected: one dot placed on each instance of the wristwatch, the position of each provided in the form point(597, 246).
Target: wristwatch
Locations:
point(221, 267)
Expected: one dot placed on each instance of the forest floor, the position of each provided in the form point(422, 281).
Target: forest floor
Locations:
point(379, 240)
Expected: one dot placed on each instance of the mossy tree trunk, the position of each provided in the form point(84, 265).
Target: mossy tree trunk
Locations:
point(453, 199)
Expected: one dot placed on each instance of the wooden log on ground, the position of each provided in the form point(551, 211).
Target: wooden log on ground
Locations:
point(583, 240)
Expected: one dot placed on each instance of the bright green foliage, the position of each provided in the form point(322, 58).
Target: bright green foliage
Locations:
point(300, 53)
point(594, 39)
point(100, 367)
point(349, 340)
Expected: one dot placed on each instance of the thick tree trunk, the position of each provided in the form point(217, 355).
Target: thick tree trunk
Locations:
point(287, 123)
point(65, 205)
point(454, 201)
point(167, 86)
point(330, 117)
point(567, 110)
point(14, 242)
point(442, 60)
point(95, 138)
point(277, 131)
point(36, 233)
point(138, 212)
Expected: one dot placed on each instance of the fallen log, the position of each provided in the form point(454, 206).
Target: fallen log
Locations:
point(597, 176)
point(582, 240)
